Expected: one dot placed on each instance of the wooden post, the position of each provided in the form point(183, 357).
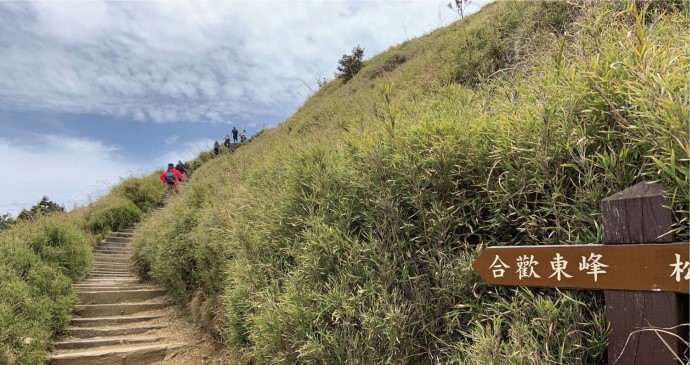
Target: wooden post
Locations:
point(638, 215)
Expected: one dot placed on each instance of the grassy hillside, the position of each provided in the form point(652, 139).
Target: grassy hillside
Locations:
point(346, 234)
point(42, 257)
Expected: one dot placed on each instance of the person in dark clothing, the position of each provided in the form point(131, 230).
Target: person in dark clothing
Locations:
point(235, 132)
point(181, 168)
point(227, 141)
point(216, 148)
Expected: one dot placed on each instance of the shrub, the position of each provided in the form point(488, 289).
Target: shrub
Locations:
point(58, 242)
point(121, 213)
point(145, 192)
point(349, 65)
point(37, 260)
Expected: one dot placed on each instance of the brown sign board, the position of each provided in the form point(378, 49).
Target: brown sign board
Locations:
point(640, 267)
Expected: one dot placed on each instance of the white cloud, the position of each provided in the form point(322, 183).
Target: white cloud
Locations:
point(184, 151)
point(189, 60)
point(68, 170)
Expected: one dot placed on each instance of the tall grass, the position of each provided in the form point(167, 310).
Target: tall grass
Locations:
point(346, 234)
point(38, 261)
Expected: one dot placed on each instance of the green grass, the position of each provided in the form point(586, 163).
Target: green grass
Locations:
point(346, 234)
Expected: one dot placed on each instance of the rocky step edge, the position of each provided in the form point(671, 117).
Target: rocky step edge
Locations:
point(136, 354)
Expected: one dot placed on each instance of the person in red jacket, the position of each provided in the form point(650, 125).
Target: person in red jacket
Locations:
point(172, 177)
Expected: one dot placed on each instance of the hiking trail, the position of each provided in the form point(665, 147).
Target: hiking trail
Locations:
point(122, 320)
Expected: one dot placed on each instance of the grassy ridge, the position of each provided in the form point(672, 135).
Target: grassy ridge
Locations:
point(346, 234)
point(40, 259)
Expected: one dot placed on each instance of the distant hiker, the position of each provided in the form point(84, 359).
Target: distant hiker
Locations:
point(171, 177)
point(216, 148)
point(227, 141)
point(243, 135)
point(181, 168)
point(234, 134)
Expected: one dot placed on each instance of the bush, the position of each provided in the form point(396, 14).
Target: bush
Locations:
point(121, 213)
point(349, 65)
point(145, 192)
point(58, 242)
point(37, 261)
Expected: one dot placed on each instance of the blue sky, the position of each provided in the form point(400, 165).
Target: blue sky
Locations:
point(93, 91)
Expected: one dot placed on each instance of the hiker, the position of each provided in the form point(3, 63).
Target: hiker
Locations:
point(243, 135)
point(216, 148)
point(181, 168)
point(234, 134)
point(227, 141)
point(171, 177)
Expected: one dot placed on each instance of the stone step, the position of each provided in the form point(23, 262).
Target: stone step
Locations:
point(107, 274)
point(127, 355)
point(115, 264)
point(110, 266)
point(112, 251)
point(109, 331)
point(119, 246)
point(119, 255)
point(111, 258)
point(110, 297)
point(114, 259)
point(106, 261)
point(108, 321)
point(96, 275)
point(126, 230)
point(116, 239)
point(121, 309)
point(106, 282)
point(110, 275)
point(113, 271)
point(110, 281)
point(120, 242)
point(113, 288)
point(94, 343)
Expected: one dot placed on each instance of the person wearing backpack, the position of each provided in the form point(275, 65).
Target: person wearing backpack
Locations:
point(172, 177)
point(181, 168)
point(234, 134)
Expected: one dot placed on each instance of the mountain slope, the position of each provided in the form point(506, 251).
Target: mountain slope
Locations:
point(346, 234)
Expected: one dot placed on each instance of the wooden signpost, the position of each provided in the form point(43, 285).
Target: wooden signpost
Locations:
point(646, 278)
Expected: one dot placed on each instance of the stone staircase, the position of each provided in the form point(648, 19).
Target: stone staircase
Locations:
point(119, 319)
